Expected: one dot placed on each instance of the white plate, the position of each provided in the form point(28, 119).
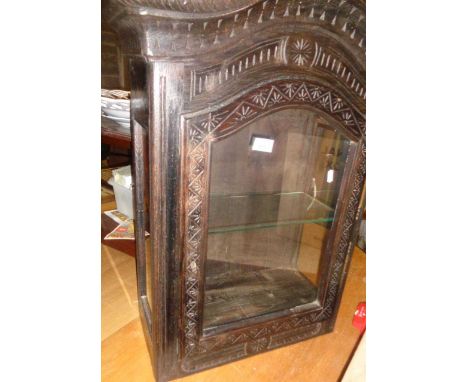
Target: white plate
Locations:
point(116, 104)
point(115, 107)
point(118, 119)
point(116, 113)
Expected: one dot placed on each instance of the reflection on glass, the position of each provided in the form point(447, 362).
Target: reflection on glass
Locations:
point(273, 191)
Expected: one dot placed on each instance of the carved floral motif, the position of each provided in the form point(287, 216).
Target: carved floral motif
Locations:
point(286, 92)
point(226, 121)
point(301, 51)
point(244, 113)
point(307, 53)
point(256, 346)
point(163, 28)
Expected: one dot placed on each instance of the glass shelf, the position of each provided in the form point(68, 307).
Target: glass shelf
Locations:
point(270, 211)
point(230, 213)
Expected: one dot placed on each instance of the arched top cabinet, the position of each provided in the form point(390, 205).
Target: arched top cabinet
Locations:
point(248, 125)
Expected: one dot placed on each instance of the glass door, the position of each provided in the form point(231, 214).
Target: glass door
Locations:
point(273, 192)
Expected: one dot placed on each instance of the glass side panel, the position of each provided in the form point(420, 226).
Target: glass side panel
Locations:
point(148, 268)
point(273, 191)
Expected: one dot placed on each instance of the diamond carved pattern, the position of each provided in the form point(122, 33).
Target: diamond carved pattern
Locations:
point(273, 95)
point(229, 119)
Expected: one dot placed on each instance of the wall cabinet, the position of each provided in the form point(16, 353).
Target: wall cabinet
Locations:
point(248, 126)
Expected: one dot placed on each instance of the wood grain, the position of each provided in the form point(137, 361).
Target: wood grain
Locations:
point(198, 78)
point(125, 356)
point(235, 294)
point(119, 303)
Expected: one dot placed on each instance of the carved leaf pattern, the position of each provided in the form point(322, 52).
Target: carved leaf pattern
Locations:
point(289, 89)
point(276, 98)
point(315, 92)
point(272, 95)
point(210, 123)
point(311, 55)
point(257, 345)
point(303, 94)
point(337, 103)
point(245, 112)
point(260, 98)
point(196, 136)
point(325, 101)
point(234, 116)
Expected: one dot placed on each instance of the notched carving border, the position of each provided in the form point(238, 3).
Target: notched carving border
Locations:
point(224, 354)
point(199, 131)
point(182, 34)
point(308, 53)
point(302, 51)
point(207, 79)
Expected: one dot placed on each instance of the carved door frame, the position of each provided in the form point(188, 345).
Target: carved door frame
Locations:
point(202, 128)
point(204, 63)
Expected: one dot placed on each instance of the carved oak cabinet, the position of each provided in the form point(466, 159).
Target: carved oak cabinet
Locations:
point(248, 126)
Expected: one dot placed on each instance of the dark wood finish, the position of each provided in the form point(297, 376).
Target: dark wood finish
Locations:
point(202, 70)
point(262, 290)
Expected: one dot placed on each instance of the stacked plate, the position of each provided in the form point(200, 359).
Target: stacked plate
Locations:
point(115, 105)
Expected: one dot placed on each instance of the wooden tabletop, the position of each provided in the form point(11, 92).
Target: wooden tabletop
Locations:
point(124, 356)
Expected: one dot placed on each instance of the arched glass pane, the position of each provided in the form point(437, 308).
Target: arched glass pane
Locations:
point(273, 191)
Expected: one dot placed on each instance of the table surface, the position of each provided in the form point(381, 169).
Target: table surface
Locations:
point(125, 358)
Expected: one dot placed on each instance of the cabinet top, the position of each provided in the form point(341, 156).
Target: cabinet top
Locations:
point(181, 28)
point(192, 6)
